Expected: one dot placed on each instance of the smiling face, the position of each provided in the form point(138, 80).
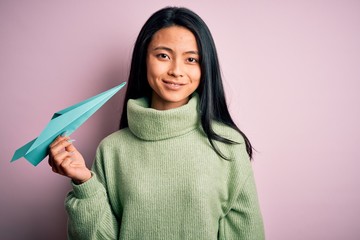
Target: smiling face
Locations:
point(173, 68)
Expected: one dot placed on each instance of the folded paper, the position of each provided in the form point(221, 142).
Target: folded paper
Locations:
point(66, 120)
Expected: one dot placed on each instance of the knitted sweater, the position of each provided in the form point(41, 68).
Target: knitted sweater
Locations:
point(161, 179)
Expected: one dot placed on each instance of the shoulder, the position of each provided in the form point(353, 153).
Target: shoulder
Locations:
point(115, 138)
point(236, 152)
point(227, 132)
point(113, 147)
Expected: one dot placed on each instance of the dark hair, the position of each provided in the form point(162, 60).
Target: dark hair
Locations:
point(213, 105)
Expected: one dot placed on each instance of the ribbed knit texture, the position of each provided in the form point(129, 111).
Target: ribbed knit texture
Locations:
point(160, 179)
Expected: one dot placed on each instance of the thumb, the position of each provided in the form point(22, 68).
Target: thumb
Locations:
point(71, 147)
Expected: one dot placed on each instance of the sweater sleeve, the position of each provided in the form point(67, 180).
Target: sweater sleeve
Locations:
point(243, 221)
point(90, 215)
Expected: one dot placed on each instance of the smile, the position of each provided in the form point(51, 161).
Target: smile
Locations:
point(173, 85)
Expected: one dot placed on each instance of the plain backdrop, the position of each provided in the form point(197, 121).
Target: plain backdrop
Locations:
point(292, 78)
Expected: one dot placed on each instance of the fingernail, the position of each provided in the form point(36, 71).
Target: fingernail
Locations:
point(65, 134)
point(71, 140)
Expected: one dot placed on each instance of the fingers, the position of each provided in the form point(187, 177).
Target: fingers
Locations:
point(51, 152)
point(60, 153)
point(61, 161)
point(58, 139)
point(70, 147)
point(59, 144)
point(64, 159)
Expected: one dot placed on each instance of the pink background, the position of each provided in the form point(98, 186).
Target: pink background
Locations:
point(292, 78)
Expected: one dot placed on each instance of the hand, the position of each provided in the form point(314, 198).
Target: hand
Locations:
point(66, 160)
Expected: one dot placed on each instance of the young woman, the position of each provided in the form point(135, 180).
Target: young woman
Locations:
point(178, 168)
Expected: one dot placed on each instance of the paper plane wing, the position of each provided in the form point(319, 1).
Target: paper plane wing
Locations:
point(66, 120)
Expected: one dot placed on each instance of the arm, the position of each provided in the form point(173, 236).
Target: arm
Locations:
point(87, 205)
point(89, 211)
point(243, 220)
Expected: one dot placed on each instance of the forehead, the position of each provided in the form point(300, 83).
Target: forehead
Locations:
point(175, 37)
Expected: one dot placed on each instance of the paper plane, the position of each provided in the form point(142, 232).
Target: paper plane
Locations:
point(66, 120)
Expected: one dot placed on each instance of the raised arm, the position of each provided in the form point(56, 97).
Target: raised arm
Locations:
point(90, 214)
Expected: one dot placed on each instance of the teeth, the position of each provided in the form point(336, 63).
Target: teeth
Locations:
point(173, 84)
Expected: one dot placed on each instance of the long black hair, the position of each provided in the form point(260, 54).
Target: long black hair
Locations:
point(213, 105)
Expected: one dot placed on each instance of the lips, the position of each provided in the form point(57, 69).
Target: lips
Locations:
point(171, 85)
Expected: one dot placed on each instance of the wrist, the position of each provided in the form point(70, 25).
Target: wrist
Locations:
point(83, 180)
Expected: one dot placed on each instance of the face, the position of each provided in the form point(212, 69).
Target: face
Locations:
point(173, 69)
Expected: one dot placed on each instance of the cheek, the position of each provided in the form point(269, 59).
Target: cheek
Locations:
point(150, 73)
point(195, 74)
point(148, 68)
point(155, 69)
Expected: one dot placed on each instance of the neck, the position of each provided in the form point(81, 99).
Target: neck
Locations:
point(161, 104)
point(151, 124)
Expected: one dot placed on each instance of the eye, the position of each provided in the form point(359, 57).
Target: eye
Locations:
point(192, 60)
point(162, 56)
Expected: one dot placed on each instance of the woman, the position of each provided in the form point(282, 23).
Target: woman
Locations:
point(178, 168)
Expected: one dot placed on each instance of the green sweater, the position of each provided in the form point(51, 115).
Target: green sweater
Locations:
point(160, 179)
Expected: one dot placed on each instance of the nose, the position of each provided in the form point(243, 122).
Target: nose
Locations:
point(175, 69)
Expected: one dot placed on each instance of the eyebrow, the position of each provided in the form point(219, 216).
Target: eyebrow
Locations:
point(170, 50)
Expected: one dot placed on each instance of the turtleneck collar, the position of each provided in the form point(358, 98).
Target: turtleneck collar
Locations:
point(150, 124)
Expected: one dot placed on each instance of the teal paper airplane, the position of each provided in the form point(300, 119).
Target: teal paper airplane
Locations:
point(66, 120)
